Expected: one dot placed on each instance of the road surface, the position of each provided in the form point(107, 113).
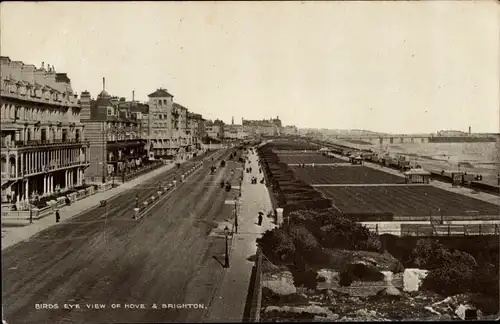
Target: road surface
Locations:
point(105, 257)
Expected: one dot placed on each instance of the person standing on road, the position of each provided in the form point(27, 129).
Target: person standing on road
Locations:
point(58, 217)
point(261, 214)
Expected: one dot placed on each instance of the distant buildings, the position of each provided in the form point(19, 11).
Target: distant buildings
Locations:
point(215, 129)
point(270, 127)
point(43, 150)
point(289, 130)
point(452, 133)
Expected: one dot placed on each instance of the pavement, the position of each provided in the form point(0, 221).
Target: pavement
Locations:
point(165, 263)
point(229, 304)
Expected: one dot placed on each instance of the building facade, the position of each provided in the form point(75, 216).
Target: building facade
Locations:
point(195, 130)
point(43, 150)
point(269, 127)
point(181, 130)
point(214, 129)
point(162, 122)
point(289, 130)
point(114, 133)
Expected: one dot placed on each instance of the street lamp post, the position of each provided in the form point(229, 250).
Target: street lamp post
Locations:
point(236, 214)
point(31, 214)
point(226, 234)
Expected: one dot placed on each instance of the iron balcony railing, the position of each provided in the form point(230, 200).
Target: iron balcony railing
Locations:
point(42, 143)
point(47, 168)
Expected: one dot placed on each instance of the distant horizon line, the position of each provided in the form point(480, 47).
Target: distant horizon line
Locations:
point(391, 133)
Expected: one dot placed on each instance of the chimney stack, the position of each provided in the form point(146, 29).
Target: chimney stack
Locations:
point(103, 84)
point(133, 95)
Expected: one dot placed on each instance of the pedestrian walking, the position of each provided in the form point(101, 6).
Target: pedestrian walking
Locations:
point(261, 214)
point(58, 217)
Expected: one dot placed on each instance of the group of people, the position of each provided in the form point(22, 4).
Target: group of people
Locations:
point(253, 180)
point(225, 184)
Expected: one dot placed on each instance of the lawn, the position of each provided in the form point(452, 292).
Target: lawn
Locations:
point(282, 144)
point(307, 158)
point(405, 201)
point(345, 175)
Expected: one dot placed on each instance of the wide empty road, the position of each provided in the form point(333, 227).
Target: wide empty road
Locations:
point(105, 257)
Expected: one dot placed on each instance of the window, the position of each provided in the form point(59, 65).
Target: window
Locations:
point(110, 111)
point(160, 116)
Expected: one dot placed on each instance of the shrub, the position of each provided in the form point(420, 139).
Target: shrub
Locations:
point(488, 304)
point(305, 277)
point(346, 278)
point(277, 244)
point(450, 280)
point(346, 234)
point(306, 244)
point(362, 272)
point(430, 254)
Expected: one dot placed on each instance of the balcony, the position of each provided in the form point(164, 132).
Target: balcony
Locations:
point(125, 143)
point(12, 176)
point(68, 101)
point(43, 144)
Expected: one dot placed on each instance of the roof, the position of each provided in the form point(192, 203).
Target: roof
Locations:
point(179, 106)
point(160, 93)
point(139, 107)
point(103, 101)
point(62, 77)
point(417, 172)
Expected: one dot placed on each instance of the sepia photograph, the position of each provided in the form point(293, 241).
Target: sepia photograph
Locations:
point(249, 161)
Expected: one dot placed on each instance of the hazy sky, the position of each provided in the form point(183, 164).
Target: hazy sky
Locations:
point(384, 66)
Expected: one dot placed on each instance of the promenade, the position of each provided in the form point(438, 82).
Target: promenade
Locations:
point(230, 299)
point(14, 235)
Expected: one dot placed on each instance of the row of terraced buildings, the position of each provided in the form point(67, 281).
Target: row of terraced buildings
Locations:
point(53, 141)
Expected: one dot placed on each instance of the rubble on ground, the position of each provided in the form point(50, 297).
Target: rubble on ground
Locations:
point(280, 283)
point(412, 279)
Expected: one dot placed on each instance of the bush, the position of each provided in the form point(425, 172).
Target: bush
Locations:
point(306, 244)
point(335, 231)
point(346, 278)
point(277, 244)
point(430, 254)
point(346, 234)
point(489, 305)
point(363, 272)
point(450, 280)
point(305, 278)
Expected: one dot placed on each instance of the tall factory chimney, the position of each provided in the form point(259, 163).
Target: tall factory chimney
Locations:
point(470, 131)
point(103, 84)
point(133, 95)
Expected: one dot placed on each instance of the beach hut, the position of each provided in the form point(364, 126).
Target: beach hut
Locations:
point(457, 178)
point(417, 176)
point(355, 159)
